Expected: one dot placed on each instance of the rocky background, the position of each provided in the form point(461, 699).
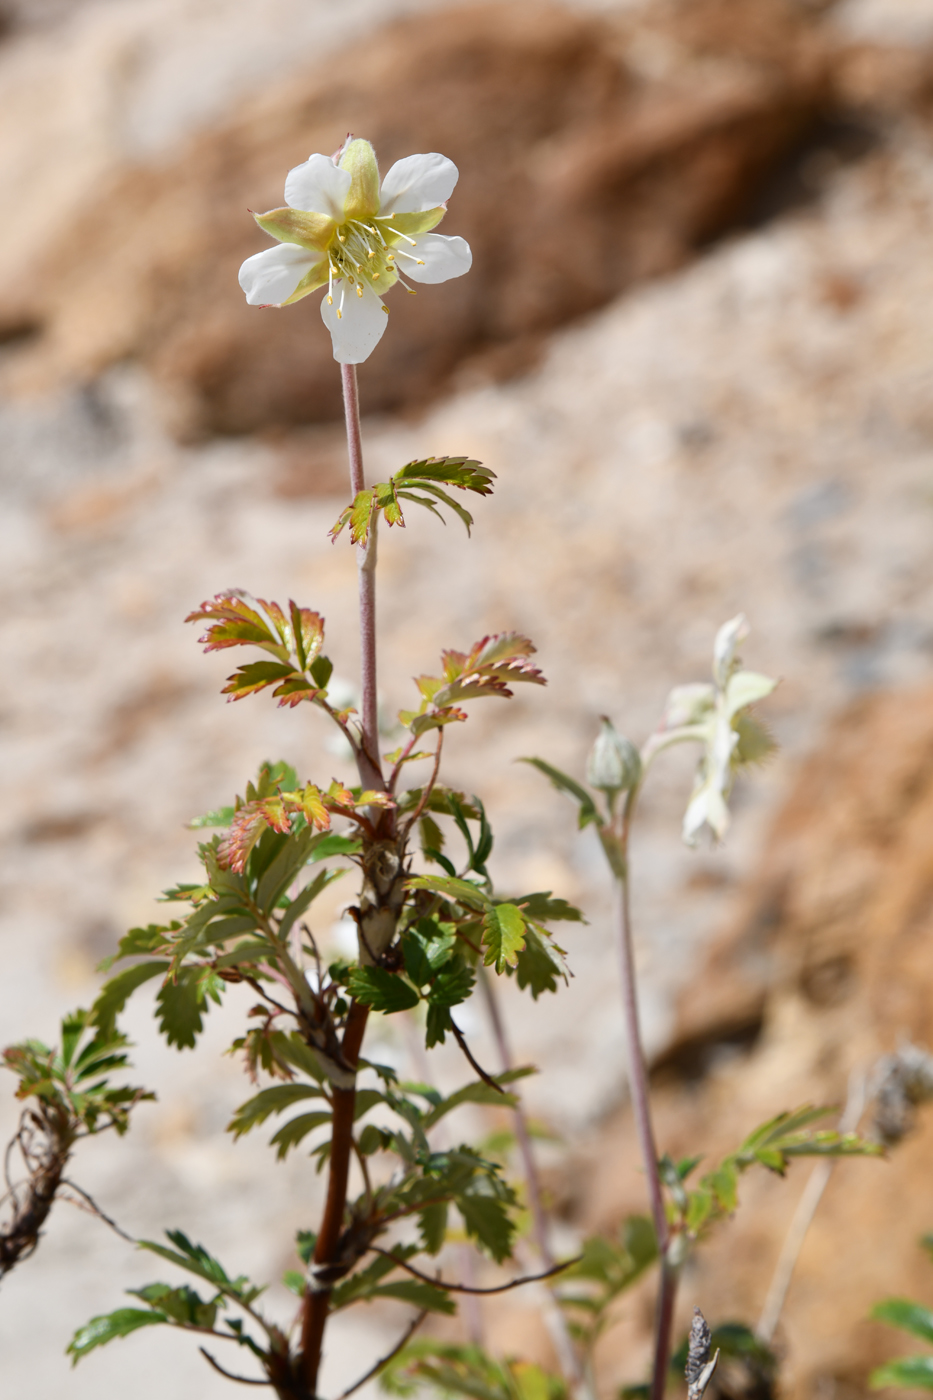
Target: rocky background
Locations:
point(696, 348)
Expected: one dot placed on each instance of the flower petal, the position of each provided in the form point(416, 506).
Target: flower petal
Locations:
point(297, 226)
point(437, 258)
point(359, 159)
point(318, 186)
point(418, 182)
point(269, 278)
point(410, 223)
point(360, 328)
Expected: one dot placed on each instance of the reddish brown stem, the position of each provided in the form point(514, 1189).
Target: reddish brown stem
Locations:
point(317, 1299)
point(368, 759)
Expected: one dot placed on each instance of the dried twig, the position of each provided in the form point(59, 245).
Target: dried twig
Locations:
point(699, 1368)
point(90, 1205)
point(803, 1216)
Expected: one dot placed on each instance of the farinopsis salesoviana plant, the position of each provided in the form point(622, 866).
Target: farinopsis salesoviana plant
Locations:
point(429, 930)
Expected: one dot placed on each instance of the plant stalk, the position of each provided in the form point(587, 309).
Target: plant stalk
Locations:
point(641, 1109)
point(316, 1304)
point(369, 765)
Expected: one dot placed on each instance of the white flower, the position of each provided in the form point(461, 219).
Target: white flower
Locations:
point(339, 229)
point(715, 714)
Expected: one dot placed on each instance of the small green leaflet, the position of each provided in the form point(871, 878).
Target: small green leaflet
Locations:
point(411, 484)
point(275, 1100)
point(503, 936)
point(101, 1330)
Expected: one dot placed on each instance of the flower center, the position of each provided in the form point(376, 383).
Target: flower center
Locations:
point(366, 252)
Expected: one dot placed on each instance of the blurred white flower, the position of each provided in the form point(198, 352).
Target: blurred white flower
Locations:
point(342, 230)
point(716, 715)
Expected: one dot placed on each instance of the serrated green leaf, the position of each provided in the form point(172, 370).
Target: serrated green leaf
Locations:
point(295, 1282)
point(907, 1315)
point(275, 1100)
point(291, 1133)
point(454, 890)
point(487, 1221)
point(196, 1260)
point(503, 936)
point(181, 1006)
point(535, 968)
point(382, 990)
point(114, 994)
point(417, 963)
point(101, 1330)
point(453, 985)
point(432, 1226)
point(543, 907)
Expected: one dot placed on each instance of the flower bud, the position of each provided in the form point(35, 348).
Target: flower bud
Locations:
point(614, 764)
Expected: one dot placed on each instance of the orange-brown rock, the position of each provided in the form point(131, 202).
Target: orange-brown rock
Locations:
point(832, 958)
point(591, 156)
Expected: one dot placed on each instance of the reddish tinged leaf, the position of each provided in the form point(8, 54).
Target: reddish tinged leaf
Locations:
point(244, 831)
point(295, 689)
point(374, 799)
point(454, 471)
point(236, 620)
point(436, 719)
point(307, 631)
point(392, 508)
point(311, 803)
point(341, 521)
point(255, 676)
point(340, 796)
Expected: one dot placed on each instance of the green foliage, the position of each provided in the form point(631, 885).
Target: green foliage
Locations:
point(275, 1100)
point(908, 1316)
point(606, 1269)
point(503, 936)
point(294, 640)
point(489, 668)
point(381, 990)
point(72, 1083)
point(451, 1369)
point(906, 1372)
point(418, 482)
point(241, 917)
point(101, 1330)
point(178, 1307)
point(772, 1145)
point(196, 1260)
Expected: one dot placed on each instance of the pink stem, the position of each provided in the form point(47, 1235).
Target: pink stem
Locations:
point(641, 1109)
point(368, 760)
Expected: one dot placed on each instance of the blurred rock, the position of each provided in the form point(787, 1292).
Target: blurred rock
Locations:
point(591, 156)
